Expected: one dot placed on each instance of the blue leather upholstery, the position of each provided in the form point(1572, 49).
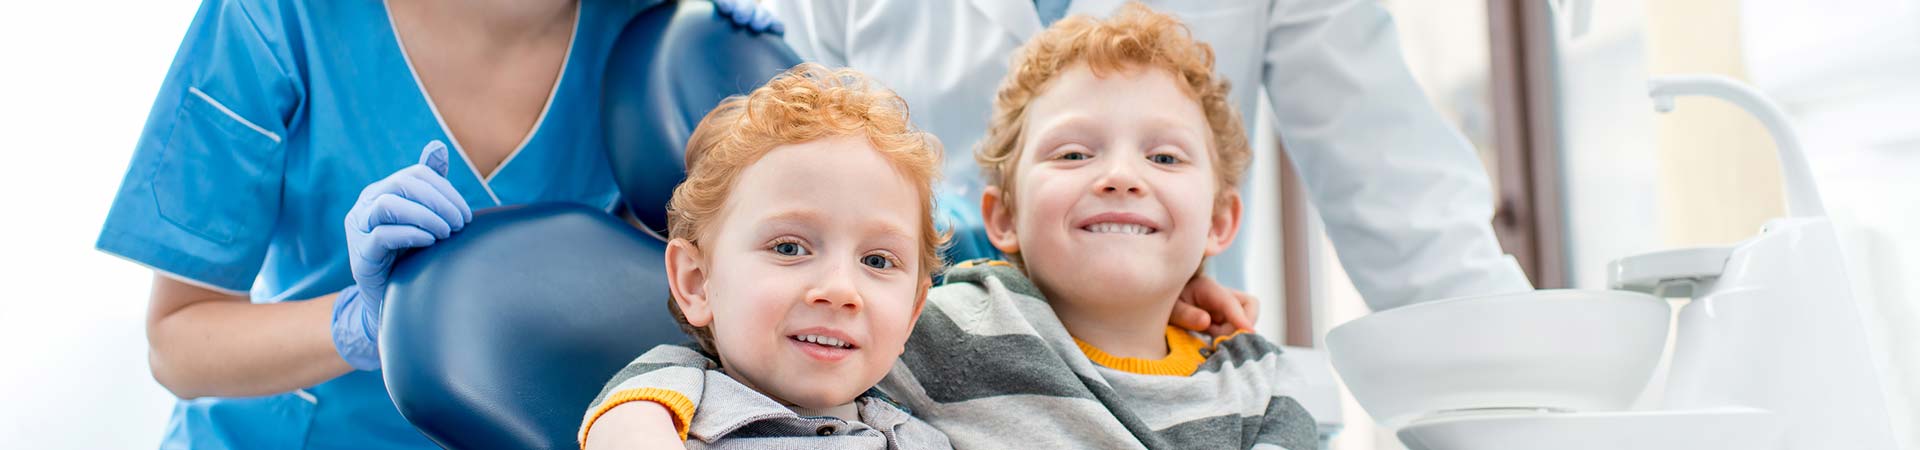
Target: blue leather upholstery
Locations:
point(673, 67)
point(500, 335)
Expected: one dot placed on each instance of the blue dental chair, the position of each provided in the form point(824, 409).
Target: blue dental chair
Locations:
point(499, 336)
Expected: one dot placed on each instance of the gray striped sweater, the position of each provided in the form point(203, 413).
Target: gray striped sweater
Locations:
point(991, 366)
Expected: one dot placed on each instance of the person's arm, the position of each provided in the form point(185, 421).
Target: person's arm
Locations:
point(200, 203)
point(205, 342)
point(1403, 195)
point(193, 351)
point(634, 425)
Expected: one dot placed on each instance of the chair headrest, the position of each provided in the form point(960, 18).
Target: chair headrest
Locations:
point(671, 66)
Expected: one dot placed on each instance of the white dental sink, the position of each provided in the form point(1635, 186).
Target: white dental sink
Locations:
point(1731, 428)
point(1772, 350)
point(1553, 350)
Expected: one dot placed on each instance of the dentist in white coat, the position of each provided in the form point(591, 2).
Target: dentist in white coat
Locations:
point(1402, 193)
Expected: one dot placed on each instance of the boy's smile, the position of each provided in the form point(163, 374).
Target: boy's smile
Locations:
point(1119, 223)
point(824, 344)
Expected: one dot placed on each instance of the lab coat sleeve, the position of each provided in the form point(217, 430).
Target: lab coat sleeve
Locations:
point(1403, 195)
point(201, 197)
point(817, 30)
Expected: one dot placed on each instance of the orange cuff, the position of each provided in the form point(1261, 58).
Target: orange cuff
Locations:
point(678, 406)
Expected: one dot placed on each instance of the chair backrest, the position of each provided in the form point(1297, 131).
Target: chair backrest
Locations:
point(500, 335)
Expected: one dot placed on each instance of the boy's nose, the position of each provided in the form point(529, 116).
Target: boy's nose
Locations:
point(835, 290)
point(1120, 178)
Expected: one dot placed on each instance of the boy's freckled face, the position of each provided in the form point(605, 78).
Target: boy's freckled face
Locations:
point(814, 278)
point(1115, 186)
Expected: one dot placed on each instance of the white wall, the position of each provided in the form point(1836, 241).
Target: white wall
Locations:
point(76, 79)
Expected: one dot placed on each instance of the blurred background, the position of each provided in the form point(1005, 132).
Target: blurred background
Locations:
point(1595, 175)
point(1584, 169)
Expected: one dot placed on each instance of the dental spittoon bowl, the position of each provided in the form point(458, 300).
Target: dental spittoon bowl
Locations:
point(1555, 350)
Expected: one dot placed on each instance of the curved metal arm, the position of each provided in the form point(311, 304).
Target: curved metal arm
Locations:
point(1803, 197)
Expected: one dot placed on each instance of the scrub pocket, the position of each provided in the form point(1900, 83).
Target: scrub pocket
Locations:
point(217, 177)
point(274, 422)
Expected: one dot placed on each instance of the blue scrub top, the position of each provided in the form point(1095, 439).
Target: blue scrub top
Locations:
point(273, 117)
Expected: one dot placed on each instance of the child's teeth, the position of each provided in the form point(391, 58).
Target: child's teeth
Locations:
point(822, 340)
point(1121, 228)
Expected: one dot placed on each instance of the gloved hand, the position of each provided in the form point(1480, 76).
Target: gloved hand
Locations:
point(748, 13)
point(414, 207)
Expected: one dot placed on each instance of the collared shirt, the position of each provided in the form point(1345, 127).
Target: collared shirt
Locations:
point(990, 365)
point(712, 410)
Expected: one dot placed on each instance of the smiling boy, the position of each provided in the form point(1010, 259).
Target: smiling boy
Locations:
point(801, 248)
point(1113, 162)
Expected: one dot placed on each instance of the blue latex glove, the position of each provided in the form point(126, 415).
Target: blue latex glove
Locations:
point(748, 13)
point(411, 208)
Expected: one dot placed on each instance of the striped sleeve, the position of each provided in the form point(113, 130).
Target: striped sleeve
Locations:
point(671, 375)
point(1284, 423)
point(1240, 397)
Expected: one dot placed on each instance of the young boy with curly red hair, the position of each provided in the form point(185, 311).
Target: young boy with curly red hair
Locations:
point(801, 250)
point(1113, 162)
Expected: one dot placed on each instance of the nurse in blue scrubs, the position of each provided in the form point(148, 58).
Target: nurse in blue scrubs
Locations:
point(273, 118)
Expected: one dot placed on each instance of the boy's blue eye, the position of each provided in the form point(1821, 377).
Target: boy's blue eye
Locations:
point(789, 249)
point(877, 261)
point(1163, 159)
point(1074, 156)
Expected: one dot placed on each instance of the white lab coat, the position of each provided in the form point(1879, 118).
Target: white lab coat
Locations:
point(1402, 194)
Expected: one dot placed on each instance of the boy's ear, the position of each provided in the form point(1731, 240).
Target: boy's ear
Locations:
point(687, 280)
point(999, 222)
point(1226, 224)
point(920, 303)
